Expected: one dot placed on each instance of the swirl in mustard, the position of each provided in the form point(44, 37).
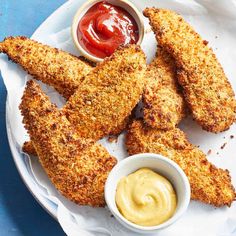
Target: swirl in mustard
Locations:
point(146, 198)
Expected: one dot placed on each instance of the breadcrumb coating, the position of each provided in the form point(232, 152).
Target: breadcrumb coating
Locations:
point(164, 105)
point(209, 184)
point(77, 167)
point(28, 147)
point(206, 89)
point(108, 94)
point(52, 66)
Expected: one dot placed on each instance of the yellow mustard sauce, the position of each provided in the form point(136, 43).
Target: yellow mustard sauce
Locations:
point(146, 198)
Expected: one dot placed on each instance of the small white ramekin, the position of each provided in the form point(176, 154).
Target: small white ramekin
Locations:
point(159, 164)
point(128, 6)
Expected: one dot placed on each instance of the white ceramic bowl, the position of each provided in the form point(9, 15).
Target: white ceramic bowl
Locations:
point(128, 6)
point(159, 164)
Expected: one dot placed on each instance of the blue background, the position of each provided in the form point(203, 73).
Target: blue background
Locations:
point(20, 214)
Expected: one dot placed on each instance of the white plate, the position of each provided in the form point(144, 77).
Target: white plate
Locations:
point(211, 19)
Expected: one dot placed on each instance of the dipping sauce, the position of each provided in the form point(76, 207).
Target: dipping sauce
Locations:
point(146, 198)
point(105, 27)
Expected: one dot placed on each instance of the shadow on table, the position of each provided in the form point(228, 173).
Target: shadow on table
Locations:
point(20, 214)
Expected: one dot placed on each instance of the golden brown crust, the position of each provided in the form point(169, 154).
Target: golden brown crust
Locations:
point(207, 90)
point(108, 94)
point(209, 184)
point(77, 168)
point(121, 127)
point(28, 148)
point(164, 106)
point(52, 66)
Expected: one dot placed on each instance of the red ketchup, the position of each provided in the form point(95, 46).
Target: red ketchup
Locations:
point(105, 27)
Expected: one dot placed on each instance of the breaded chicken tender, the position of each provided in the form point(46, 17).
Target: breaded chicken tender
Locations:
point(206, 89)
point(108, 94)
point(52, 66)
point(164, 105)
point(209, 184)
point(77, 167)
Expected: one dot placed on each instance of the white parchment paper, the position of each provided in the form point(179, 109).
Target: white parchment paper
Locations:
point(216, 22)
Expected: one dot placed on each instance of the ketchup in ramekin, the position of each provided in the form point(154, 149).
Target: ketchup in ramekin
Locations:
point(104, 27)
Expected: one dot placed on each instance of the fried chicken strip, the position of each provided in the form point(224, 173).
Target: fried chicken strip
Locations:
point(52, 66)
point(206, 89)
point(209, 184)
point(164, 106)
point(78, 168)
point(108, 94)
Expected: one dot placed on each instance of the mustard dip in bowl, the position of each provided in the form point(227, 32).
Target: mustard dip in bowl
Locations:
point(147, 192)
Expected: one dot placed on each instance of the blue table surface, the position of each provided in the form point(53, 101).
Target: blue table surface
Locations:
point(20, 214)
